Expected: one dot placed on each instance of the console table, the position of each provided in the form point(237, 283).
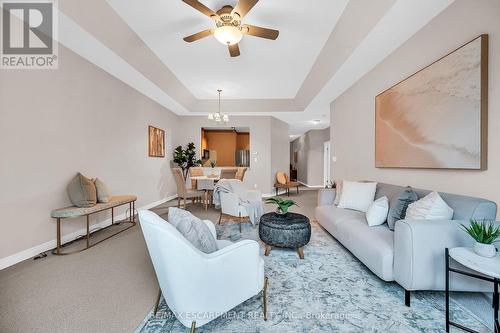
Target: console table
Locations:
point(73, 211)
point(488, 269)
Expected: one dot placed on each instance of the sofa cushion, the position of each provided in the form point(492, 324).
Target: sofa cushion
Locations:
point(399, 204)
point(330, 216)
point(82, 192)
point(373, 246)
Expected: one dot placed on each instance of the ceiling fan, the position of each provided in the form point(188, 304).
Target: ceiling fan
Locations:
point(228, 28)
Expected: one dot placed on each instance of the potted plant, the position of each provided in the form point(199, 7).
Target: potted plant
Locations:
point(484, 233)
point(282, 204)
point(186, 158)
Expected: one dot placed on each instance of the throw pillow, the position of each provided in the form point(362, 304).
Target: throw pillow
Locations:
point(399, 205)
point(281, 178)
point(193, 229)
point(377, 212)
point(357, 195)
point(430, 207)
point(338, 191)
point(102, 190)
point(82, 192)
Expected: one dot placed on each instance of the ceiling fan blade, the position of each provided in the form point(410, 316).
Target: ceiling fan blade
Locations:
point(234, 50)
point(244, 6)
point(198, 35)
point(260, 32)
point(201, 8)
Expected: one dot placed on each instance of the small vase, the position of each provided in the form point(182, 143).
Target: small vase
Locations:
point(485, 250)
point(280, 212)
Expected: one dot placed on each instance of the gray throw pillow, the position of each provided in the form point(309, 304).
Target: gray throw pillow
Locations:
point(82, 192)
point(102, 190)
point(399, 204)
point(193, 229)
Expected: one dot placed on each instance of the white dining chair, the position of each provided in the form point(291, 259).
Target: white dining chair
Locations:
point(199, 287)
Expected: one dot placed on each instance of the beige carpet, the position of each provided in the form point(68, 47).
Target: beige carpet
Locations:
point(108, 288)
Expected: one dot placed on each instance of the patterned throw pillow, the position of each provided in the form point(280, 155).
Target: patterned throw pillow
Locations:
point(399, 205)
point(193, 229)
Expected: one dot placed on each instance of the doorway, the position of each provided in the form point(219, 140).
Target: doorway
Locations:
point(326, 163)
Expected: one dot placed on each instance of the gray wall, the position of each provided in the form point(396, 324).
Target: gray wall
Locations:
point(54, 123)
point(309, 148)
point(352, 114)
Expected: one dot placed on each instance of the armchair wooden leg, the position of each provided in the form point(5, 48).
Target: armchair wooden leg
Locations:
point(300, 251)
point(268, 250)
point(193, 326)
point(239, 220)
point(220, 219)
point(178, 202)
point(264, 298)
point(157, 302)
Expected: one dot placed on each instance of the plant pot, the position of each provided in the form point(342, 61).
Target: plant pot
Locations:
point(280, 212)
point(485, 250)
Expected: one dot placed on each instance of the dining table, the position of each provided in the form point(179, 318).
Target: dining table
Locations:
point(207, 184)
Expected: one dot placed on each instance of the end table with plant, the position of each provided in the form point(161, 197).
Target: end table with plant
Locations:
point(484, 233)
point(282, 204)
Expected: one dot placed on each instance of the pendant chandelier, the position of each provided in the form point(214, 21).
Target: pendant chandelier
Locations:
point(218, 117)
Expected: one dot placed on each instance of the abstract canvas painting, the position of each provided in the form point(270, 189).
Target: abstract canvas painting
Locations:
point(437, 118)
point(156, 142)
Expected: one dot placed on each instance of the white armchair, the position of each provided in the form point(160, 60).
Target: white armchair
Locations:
point(199, 287)
point(230, 205)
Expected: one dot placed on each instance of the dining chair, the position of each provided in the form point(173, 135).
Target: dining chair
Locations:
point(182, 191)
point(228, 173)
point(240, 173)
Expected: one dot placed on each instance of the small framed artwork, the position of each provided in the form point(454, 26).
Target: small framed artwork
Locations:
point(156, 142)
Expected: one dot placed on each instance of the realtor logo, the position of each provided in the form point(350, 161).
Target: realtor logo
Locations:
point(28, 32)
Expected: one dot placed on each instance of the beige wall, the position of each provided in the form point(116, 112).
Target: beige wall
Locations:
point(280, 157)
point(309, 148)
point(352, 114)
point(54, 123)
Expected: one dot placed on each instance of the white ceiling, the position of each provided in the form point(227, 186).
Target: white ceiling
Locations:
point(264, 70)
point(396, 26)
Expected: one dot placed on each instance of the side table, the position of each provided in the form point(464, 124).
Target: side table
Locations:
point(488, 269)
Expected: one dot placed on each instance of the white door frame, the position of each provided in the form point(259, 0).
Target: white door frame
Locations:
point(326, 162)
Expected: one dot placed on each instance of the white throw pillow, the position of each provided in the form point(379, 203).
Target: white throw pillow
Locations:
point(430, 207)
point(356, 195)
point(377, 212)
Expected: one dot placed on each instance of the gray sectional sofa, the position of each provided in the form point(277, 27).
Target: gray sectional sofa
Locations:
point(412, 254)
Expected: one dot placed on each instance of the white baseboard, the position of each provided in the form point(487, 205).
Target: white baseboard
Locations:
point(311, 186)
point(31, 252)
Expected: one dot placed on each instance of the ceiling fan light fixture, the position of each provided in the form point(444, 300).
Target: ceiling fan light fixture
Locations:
point(228, 34)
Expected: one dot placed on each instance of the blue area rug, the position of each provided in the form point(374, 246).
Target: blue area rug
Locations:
point(328, 291)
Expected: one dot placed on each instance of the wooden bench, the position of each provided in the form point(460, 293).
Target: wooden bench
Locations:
point(287, 185)
point(73, 211)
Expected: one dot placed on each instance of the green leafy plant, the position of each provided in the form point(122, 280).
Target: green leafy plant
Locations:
point(186, 158)
point(483, 232)
point(282, 204)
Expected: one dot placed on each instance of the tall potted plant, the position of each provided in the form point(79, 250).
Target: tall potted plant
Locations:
point(484, 233)
point(186, 158)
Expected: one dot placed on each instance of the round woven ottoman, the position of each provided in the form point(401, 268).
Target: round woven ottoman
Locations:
point(290, 231)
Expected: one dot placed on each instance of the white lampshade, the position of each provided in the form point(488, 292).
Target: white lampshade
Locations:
point(228, 35)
